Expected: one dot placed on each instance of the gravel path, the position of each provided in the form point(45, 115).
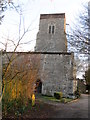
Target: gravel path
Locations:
point(76, 109)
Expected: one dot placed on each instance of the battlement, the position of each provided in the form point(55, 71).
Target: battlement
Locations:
point(48, 16)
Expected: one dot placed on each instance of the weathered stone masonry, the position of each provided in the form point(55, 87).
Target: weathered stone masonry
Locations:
point(51, 42)
point(57, 73)
point(56, 64)
point(56, 70)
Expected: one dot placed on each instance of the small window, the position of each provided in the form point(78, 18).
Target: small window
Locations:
point(51, 29)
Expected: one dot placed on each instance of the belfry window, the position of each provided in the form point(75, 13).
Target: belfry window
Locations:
point(51, 29)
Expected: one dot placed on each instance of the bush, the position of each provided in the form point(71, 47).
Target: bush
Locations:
point(15, 106)
point(63, 100)
point(77, 93)
point(58, 95)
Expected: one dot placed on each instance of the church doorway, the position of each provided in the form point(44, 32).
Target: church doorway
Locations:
point(38, 86)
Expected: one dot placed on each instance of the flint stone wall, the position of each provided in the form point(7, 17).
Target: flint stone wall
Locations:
point(55, 70)
point(56, 42)
point(57, 74)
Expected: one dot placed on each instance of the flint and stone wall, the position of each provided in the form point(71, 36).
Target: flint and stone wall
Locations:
point(55, 42)
point(57, 65)
point(57, 73)
point(55, 70)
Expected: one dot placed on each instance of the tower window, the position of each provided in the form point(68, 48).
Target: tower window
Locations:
point(51, 29)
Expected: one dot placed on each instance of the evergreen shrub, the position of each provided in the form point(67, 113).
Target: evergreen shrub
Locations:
point(58, 95)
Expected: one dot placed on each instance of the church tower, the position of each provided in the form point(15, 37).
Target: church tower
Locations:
point(56, 64)
point(51, 36)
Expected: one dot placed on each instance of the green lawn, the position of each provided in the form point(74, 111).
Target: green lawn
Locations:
point(63, 100)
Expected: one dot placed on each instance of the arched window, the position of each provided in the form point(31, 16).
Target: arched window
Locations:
point(51, 29)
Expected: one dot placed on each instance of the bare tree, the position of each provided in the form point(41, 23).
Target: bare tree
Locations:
point(24, 68)
point(12, 56)
point(20, 71)
point(79, 38)
point(3, 7)
point(19, 79)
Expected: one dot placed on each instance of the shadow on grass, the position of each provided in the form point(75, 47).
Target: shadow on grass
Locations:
point(50, 98)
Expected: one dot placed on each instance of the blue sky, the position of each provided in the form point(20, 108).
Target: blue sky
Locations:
point(31, 10)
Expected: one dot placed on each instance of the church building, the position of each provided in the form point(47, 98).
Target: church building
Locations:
point(57, 65)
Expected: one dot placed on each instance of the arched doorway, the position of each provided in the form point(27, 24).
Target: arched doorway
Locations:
point(38, 86)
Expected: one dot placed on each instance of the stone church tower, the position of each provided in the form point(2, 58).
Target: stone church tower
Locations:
point(51, 36)
point(56, 70)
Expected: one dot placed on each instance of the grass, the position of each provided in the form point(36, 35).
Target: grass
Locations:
point(50, 98)
point(63, 100)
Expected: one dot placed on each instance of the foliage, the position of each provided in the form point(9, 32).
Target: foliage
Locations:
point(77, 93)
point(18, 82)
point(17, 106)
point(87, 76)
point(19, 71)
point(58, 95)
point(63, 100)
